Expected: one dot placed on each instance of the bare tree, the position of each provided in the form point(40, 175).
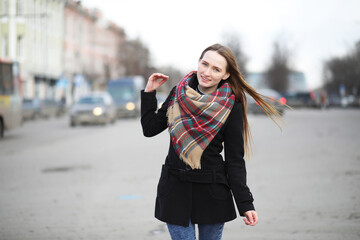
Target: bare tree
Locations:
point(91, 77)
point(278, 72)
point(174, 74)
point(343, 71)
point(233, 41)
point(136, 58)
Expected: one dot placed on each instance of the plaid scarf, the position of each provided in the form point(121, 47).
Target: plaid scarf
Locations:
point(195, 119)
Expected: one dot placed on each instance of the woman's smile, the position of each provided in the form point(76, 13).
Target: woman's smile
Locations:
point(205, 79)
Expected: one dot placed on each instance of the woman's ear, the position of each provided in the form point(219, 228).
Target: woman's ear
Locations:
point(227, 75)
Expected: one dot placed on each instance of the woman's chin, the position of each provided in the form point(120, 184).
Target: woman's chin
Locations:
point(204, 84)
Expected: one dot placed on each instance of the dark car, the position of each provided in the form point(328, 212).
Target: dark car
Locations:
point(95, 107)
point(275, 98)
point(300, 99)
point(126, 94)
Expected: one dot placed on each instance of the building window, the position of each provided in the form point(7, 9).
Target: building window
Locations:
point(19, 7)
point(20, 42)
point(6, 84)
point(33, 5)
point(4, 46)
point(4, 7)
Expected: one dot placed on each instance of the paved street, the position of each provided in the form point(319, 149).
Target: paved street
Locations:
point(86, 182)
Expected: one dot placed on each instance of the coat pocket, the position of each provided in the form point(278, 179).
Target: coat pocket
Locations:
point(165, 185)
point(219, 191)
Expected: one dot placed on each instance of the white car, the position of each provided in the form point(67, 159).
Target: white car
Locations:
point(95, 108)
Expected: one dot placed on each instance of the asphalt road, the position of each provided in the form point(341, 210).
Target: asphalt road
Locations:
point(99, 182)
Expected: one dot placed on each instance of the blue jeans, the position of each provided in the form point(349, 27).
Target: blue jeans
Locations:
point(206, 231)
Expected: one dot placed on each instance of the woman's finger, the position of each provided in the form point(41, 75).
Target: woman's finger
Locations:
point(158, 76)
point(255, 217)
point(250, 218)
point(246, 221)
point(155, 81)
point(161, 81)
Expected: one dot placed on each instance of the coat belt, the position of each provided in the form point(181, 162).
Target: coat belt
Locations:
point(198, 176)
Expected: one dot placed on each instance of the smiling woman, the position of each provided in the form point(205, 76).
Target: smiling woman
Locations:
point(205, 113)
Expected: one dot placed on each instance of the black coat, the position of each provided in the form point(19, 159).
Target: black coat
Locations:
point(181, 197)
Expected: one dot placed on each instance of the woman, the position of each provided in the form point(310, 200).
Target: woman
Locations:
point(205, 113)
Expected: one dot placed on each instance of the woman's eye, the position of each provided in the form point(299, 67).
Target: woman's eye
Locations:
point(204, 63)
point(217, 70)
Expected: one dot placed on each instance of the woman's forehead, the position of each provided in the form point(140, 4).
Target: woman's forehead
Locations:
point(214, 58)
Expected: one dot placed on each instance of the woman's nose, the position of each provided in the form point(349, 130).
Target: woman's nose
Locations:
point(207, 71)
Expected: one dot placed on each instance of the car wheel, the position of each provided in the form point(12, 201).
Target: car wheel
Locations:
point(1, 128)
point(73, 124)
point(113, 120)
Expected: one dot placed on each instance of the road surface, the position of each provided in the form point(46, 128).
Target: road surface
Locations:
point(99, 182)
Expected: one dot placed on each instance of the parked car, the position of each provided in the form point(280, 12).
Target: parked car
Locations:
point(279, 104)
point(49, 108)
point(95, 108)
point(300, 99)
point(36, 108)
point(31, 108)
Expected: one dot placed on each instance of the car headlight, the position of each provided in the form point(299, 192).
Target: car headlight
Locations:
point(97, 111)
point(130, 106)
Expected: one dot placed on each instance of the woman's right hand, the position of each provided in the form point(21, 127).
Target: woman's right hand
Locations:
point(155, 81)
point(251, 218)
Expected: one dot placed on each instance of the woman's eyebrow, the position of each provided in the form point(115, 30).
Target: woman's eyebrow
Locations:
point(217, 67)
point(213, 65)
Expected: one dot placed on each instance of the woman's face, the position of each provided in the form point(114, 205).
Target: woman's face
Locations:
point(211, 70)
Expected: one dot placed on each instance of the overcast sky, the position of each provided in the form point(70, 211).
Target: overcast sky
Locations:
point(176, 32)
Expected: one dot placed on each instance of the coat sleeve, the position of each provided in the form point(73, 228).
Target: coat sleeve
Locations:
point(234, 160)
point(153, 121)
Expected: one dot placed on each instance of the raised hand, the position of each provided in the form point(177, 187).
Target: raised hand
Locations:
point(155, 81)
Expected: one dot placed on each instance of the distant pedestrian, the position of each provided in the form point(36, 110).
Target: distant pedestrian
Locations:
point(323, 99)
point(204, 113)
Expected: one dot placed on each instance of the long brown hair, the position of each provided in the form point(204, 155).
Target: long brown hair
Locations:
point(240, 86)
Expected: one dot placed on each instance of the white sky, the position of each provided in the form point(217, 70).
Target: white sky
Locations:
point(176, 32)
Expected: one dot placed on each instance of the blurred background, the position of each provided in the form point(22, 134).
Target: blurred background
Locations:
point(70, 77)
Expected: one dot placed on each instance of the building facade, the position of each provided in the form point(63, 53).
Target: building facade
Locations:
point(63, 48)
point(92, 49)
point(32, 34)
